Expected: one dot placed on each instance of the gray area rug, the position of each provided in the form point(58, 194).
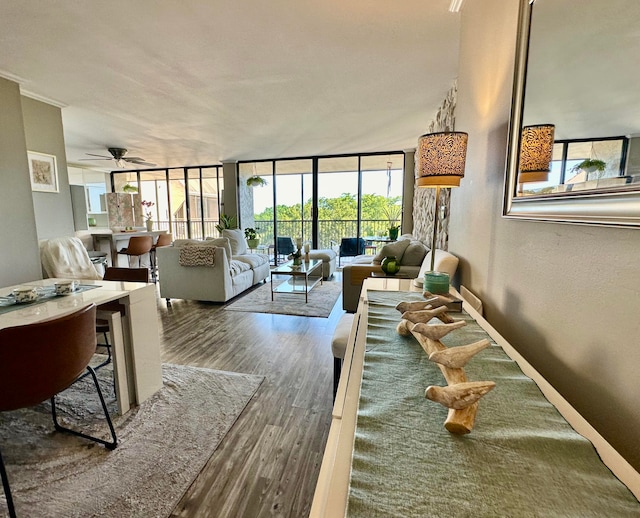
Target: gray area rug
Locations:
point(321, 301)
point(163, 445)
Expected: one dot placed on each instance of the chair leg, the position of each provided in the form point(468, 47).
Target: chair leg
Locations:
point(109, 445)
point(7, 489)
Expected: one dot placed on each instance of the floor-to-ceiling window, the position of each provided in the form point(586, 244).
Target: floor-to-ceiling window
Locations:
point(184, 201)
point(321, 199)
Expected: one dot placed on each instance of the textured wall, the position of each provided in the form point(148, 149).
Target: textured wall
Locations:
point(424, 199)
point(566, 296)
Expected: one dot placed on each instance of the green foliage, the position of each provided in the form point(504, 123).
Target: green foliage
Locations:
point(226, 221)
point(256, 181)
point(589, 163)
point(250, 233)
point(129, 188)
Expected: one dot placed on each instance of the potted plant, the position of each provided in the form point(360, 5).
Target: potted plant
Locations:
point(590, 165)
point(256, 181)
point(226, 221)
point(148, 215)
point(252, 237)
point(393, 213)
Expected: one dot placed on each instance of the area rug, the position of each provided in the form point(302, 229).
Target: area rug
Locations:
point(321, 301)
point(163, 445)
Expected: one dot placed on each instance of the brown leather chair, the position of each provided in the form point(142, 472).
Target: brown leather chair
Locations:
point(38, 361)
point(137, 247)
point(117, 274)
point(163, 240)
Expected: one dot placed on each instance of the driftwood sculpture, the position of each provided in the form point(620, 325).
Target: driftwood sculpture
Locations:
point(460, 396)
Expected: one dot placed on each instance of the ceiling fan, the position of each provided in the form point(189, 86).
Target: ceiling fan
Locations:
point(118, 154)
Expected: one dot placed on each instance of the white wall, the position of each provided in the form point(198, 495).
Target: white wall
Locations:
point(19, 257)
point(566, 296)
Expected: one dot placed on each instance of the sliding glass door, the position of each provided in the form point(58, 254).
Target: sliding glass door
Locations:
point(321, 200)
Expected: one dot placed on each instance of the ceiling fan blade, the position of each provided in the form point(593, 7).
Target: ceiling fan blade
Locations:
point(138, 160)
point(95, 159)
point(101, 156)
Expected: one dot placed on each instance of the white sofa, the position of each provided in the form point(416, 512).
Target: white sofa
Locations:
point(228, 276)
point(414, 258)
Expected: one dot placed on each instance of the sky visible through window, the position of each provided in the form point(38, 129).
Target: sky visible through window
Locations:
point(332, 185)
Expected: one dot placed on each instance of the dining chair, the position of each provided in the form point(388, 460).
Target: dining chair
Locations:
point(163, 240)
point(117, 274)
point(38, 361)
point(350, 247)
point(137, 247)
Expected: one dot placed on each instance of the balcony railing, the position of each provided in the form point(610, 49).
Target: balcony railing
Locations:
point(330, 231)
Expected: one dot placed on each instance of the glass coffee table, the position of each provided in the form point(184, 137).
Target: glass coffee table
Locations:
point(302, 278)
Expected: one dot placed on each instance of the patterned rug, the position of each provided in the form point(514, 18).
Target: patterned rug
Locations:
point(322, 298)
point(163, 445)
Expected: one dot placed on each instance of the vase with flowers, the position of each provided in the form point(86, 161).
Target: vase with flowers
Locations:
point(148, 215)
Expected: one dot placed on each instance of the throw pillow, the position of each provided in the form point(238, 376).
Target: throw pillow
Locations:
point(237, 240)
point(223, 242)
point(414, 254)
point(395, 249)
point(210, 241)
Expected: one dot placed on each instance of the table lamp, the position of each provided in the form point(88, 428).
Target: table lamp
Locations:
point(536, 151)
point(441, 161)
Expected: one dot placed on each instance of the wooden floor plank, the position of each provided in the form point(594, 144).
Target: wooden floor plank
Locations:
point(268, 463)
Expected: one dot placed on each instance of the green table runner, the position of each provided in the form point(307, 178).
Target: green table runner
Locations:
point(521, 459)
point(8, 304)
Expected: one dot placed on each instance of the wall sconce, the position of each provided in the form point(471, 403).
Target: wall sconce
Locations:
point(441, 162)
point(536, 151)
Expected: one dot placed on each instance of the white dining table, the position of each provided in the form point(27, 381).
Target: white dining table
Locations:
point(135, 336)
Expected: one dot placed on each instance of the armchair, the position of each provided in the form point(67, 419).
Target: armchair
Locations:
point(351, 247)
point(285, 246)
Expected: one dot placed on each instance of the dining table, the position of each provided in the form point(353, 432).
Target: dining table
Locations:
point(130, 309)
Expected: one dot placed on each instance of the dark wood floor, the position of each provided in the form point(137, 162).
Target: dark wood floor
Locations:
point(268, 463)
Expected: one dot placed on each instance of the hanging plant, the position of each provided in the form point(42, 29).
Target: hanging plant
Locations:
point(590, 165)
point(256, 181)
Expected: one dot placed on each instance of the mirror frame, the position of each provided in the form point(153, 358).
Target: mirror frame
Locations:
point(608, 208)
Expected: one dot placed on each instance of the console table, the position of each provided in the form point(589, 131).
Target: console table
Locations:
point(381, 462)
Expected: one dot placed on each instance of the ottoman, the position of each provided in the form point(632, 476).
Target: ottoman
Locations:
point(328, 261)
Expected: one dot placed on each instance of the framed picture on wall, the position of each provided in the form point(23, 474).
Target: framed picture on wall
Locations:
point(43, 172)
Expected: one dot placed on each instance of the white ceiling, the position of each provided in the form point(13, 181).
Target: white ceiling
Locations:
point(194, 82)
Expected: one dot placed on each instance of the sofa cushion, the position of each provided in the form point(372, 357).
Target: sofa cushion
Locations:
point(414, 254)
point(237, 267)
point(252, 260)
point(444, 262)
point(237, 240)
point(395, 249)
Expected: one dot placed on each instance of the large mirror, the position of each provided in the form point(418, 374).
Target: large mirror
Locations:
point(577, 71)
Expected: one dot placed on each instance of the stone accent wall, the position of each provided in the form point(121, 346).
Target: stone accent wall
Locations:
point(424, 198)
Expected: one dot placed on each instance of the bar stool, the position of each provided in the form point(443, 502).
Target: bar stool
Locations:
point(163, 240)
point(137, 247)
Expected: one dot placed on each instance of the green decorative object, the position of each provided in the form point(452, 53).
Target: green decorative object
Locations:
point(436, 282)
point(226, 221)
point(393, 233)
point(256, 181)
point(390, 265)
